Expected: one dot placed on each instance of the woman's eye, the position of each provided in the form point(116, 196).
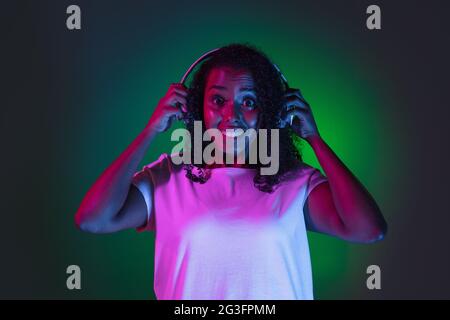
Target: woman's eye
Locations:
point(218, 100)
point(249, 103)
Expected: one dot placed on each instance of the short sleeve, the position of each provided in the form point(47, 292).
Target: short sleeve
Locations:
point(147, 181)
point(143, 182)
point(315, 178)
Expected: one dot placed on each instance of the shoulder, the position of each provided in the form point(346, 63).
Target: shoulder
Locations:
point(303, 172)
point(313, 177)
point(303, 177)
point(162, 161)
point(159, 170)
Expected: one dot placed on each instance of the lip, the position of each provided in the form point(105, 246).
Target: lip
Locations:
point(232, 132)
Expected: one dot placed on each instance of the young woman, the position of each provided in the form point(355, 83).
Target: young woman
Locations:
point(225, 231)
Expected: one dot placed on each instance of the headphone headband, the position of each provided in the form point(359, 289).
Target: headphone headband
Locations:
point(210, 53)
point(206, 55)
point(202, 57)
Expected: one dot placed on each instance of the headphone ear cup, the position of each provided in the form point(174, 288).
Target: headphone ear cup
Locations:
point(281, 124)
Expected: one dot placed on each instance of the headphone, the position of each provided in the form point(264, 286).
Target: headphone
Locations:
point(209, 54)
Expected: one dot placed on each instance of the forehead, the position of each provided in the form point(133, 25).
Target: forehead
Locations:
point(227, 76)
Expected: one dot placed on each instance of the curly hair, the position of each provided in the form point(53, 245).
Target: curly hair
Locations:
point(268, 88)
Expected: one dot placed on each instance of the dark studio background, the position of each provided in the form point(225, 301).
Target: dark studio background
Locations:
point(73, 100)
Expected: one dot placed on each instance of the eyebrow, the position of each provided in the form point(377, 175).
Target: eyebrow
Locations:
point(224, 88)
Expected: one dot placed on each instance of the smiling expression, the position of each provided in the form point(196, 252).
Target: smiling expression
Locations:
point(230, 101)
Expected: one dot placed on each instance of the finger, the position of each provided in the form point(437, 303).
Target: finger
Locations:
point(294, 101)
point(174, 109)
point(286, 113)
point(180, 88)
point(181, 106)
point(181, 91)
point(180, 116)
point(178, 96)
point(295, 91)
point(282, 123)
point(169, 123)
point(295, 95)
point(177, 99)
point(288, 116)
point(295, 121)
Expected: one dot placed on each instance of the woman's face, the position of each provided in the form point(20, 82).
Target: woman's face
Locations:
point(230, 100)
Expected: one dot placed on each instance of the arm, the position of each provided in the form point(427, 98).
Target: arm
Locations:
point(341, 207)
point(99, 211)
point(113, 203)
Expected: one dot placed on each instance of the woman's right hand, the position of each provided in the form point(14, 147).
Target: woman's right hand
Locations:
point(171, 106)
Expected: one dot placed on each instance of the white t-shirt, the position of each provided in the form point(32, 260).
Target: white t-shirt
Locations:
point(226, 239)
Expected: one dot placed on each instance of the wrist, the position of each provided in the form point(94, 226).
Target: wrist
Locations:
point(150, 130)
point(314, 140)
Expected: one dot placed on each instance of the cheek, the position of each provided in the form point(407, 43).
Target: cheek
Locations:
point(251, 118)
point(211, 117)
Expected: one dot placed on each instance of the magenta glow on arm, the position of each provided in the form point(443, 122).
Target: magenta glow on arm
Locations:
point(358, 211)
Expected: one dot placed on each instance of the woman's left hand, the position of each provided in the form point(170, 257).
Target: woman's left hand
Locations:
point(297, 113)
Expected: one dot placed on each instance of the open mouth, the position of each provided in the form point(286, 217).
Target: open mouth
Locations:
point(233, 133)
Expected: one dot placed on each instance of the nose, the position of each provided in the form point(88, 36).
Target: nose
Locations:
point(231, 115)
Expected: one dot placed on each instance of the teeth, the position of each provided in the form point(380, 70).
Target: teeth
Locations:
point(233, 133)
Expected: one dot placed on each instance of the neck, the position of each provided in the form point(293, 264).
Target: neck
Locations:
point(231, 165)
